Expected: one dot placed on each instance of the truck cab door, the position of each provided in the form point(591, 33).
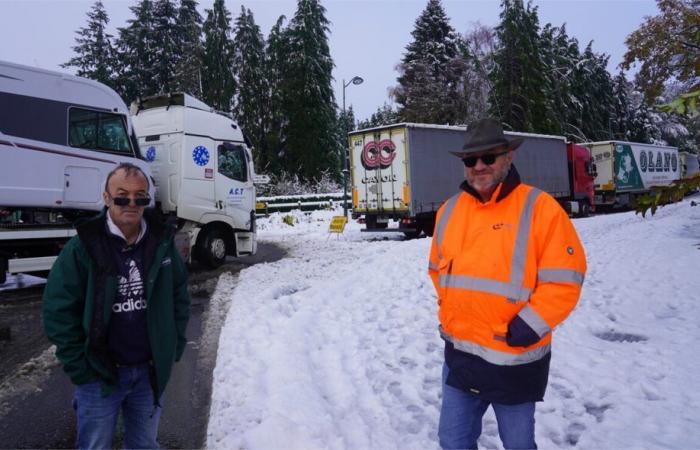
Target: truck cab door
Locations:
point(235, 195)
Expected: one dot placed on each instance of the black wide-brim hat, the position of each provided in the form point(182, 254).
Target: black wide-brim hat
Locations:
point(485, 134)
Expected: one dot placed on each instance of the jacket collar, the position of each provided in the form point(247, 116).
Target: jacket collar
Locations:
point(507, 186)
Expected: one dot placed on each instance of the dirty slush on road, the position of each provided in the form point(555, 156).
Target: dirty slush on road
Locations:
point(32, 383)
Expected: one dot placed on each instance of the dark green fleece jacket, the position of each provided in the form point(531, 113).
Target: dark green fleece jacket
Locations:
point(81, 289)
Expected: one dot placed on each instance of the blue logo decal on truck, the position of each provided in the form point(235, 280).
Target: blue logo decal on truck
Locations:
point(151, 154)
point(200, 155)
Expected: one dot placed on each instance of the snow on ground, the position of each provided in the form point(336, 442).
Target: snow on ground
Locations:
point(336, 346)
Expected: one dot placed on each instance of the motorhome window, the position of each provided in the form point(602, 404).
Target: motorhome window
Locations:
point(232, 163)
point(99, 131)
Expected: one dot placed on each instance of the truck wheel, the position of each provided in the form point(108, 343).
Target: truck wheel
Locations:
point(3, 270)
point(211, 249)
point(585, 209)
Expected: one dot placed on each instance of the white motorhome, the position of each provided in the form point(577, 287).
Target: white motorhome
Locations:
point(203, 171)
point(60, 135)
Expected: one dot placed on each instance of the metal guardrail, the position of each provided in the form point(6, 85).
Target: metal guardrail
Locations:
point(306, 202)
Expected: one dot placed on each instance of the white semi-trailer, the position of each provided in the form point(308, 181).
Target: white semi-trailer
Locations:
point(60, 135)
point(627, 170)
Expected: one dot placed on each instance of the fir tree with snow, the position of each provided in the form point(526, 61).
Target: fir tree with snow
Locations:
point(384, 115)
point(310, 141)
point(431, 70)
point(95, 53)
point(188, 77)
point(622, 115)
point(218, 82)
point(167, 52)
point(597, 99)
point(518, 96)
point(276, 49)
point(137, 53)
point(248, 66)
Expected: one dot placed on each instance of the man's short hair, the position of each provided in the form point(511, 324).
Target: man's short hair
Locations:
point(130, 169)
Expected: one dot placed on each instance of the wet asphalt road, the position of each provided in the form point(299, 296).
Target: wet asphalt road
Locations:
point(35, 394)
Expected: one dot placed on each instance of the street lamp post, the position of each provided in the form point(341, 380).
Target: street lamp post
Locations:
point(356, 81)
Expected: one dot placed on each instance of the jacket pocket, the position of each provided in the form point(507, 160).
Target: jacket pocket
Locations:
point(444, 272)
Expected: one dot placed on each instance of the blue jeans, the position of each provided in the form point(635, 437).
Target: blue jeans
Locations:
point(461, 414)
point(97, 415)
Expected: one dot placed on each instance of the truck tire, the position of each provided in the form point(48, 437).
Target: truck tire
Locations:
point(585, 209)
point(3, 270)
point(211, 248)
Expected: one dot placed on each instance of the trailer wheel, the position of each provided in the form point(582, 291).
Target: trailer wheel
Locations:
point(585, 209)
point(211, 248)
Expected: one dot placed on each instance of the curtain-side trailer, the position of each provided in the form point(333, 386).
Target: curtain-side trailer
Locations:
point(404, 172)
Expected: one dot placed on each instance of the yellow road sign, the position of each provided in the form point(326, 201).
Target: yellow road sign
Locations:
point(338, 224)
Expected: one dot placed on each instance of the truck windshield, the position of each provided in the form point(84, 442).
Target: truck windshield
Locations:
point(97, 130)
point(232, 162)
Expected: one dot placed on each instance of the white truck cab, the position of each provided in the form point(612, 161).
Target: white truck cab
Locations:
point(203, 171)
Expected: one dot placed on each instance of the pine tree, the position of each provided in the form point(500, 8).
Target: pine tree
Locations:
point(188, 76)
point(310, 139)
point(385, 115)
point(95, 53)
point(598, 98)
point(167, 56)
point(248, 64)
point(276, 50)
point(218, 83)
point(518, 96)
point(622, 115)
point(431, 70)
point(137, 54)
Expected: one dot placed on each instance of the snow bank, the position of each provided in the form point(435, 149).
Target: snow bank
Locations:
point(337, 347)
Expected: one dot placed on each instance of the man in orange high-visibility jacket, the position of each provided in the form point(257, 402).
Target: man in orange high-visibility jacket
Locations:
point(508, 267)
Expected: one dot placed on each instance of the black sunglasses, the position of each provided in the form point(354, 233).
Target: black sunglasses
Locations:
point(487, 159)
point(124, 201)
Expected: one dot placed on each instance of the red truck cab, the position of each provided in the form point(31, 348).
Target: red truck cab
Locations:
point(582, 173)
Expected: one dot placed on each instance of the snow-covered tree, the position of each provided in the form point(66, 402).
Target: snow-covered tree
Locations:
point(276, 50)
point(429, 85)
point(385, 115)
point(137, 53)
point(622, 112)
point(95, 53)
point(595, 93)
point(480, 44)
point(518, 96)
point(248, 67)
point(218, 82)
point(311, 144)
point(167, 52)
point(188, 77)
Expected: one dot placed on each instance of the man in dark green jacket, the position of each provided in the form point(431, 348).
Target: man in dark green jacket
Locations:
point(116, 307)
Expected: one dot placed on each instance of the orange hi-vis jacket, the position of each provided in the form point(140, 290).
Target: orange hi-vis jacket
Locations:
point(506, 273)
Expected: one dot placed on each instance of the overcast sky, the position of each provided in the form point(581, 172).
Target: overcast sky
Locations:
point(368, 38)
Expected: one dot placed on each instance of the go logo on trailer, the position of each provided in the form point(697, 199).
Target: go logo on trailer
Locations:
point(378, 155)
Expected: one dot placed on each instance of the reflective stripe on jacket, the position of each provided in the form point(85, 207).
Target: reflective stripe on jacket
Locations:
point(516, 255)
